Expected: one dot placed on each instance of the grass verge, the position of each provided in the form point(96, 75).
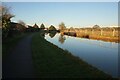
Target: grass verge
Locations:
point(51, 61)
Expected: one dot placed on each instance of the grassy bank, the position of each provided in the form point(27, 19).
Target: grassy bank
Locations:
point(10, 43)
point(110, 34)
point(53, 62)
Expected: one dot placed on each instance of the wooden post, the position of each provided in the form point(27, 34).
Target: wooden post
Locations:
point(92, 31)
point(101, 32)
point(113, 32)
point(85, 31)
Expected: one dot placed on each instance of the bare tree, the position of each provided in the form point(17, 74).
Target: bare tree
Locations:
point(6, 16)
point(22, 22)
point(62, 26)
point(96, 27)
point(6, 20)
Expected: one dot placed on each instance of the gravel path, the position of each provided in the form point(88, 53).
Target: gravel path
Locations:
point(19, 63)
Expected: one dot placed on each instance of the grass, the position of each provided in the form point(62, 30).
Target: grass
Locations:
point(10, 43)
point(51, 61)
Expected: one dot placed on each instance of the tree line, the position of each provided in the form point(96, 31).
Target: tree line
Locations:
point(10, 28)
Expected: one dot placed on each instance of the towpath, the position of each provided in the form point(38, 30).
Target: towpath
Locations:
point(19, 63)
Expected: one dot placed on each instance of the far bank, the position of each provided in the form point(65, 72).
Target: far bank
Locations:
point(104, 34)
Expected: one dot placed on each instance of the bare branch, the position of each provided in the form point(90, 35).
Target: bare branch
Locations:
point(21, 22)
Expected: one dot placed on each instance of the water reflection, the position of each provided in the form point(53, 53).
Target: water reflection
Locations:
point(62, 38)
point(43, 34)
point(111, 45)
point(100, 43)
point(52, 34)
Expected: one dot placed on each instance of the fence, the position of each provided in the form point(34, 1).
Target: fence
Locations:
point(95, 32)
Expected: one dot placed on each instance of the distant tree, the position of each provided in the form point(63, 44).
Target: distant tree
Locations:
point(21, 27)
point(42, 26)
point(96, 27)
point(62, 26)
point(22, 22)
point(71, 28)
point(52, 28)
point(36, 28)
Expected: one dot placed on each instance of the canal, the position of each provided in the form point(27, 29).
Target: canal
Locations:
point(100, 54)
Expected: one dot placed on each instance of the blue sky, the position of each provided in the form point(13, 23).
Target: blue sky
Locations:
point(73, 14)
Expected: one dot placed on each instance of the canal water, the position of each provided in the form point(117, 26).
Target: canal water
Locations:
point(100, 54)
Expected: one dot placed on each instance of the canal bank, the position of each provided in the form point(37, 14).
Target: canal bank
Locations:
point(51, 61)
point(108, 36)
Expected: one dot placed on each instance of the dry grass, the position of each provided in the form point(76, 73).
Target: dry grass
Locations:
point(105, 35)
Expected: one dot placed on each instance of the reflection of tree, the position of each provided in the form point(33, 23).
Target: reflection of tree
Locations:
point(52, 34)
point(62, 39)
point(42, 34)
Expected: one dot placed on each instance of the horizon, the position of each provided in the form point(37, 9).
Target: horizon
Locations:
point(75, 14)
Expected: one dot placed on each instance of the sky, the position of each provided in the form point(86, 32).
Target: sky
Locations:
point(61, 0)
point(73, 14)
